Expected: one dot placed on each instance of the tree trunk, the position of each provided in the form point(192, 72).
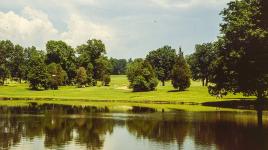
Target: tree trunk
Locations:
point(163, 83)
point(260, 95)
point(203, 82)
point(206, 82)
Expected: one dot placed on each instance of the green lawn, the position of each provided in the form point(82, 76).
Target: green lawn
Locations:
point(117, 91)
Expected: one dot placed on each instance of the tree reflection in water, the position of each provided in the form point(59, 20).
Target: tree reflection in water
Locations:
point(59, 127)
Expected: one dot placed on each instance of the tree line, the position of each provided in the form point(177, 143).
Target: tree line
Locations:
point(85, 65)
point(162, 64)
point(59, 64)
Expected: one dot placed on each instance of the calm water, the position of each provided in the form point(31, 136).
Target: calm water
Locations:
point(66, 127)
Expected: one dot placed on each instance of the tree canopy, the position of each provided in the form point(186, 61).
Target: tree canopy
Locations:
point(162, 61)
point(141, 76)
point(243, 49)
point(201, 62)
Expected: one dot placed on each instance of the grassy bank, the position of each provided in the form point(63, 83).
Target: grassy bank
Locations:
point(117, 91)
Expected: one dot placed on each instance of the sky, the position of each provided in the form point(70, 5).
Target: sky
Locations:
point(129, 28)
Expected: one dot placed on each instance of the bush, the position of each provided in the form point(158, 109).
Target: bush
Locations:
point(106, 80)
point(141, 76)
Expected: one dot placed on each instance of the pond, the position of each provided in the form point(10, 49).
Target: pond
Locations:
point(138, 128)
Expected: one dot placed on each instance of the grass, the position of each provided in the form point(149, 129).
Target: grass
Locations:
point(117, 92)
point(115, 95)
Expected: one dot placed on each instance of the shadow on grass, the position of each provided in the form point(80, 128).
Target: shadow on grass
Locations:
point(170, 91)
point(30, 89)
point(240, 103)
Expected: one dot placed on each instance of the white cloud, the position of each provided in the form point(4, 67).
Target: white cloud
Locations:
point(80, 30)
point(33, 27)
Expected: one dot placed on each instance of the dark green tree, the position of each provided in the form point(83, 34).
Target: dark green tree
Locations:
point(37, 75)
point(103, 70)
point(243, 50)
point(162, 61)
point(60, 53)
point(91, 57)
point(81, 77)
point(4, 73)
point(17, 63)
point(141, 76)
point(56, 76)
point(119, 66)
point(181, 74)
point(201, 62)
point(6, 49)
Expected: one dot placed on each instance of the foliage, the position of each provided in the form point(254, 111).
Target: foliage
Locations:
point(17, 63)
point(4, 73)
point(119, 66)
point(56, 76)
point(106, 80)
point(91, 57)
point(243, 56)
point(201, 62)
point(37, 75)
point(60, 53)
point(162, 61)
point(141, 76)
point(6, 49)
point(81, 77)
point(181, 75)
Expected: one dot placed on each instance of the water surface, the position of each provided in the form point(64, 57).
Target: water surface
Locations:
point(69, 127)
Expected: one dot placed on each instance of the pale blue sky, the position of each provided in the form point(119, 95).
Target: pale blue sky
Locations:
point(129, 28)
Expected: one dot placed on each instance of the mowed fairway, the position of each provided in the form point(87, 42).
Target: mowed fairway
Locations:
point(117, 91)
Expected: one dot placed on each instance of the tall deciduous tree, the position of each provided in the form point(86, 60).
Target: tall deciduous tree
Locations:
point(243, 52)
point(91, 57)
point(201, 62)
point(162, 61)
point(6, 49)
point(37, 75)
point(60, 53)
point(17, 63)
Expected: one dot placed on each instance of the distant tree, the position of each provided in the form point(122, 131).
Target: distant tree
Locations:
point(141, 76)
point(4, 73)
point(201, 62)
point(162, 61)
point(91, 57)
point(6, 49)
point(103, 70)
point(56, 76)
point(119, 66)
point(17, 63)
point(37, 75)
point(60, 53)
point(28, 53)
point(81, 77)
point(180, 75)
point(243, 50)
